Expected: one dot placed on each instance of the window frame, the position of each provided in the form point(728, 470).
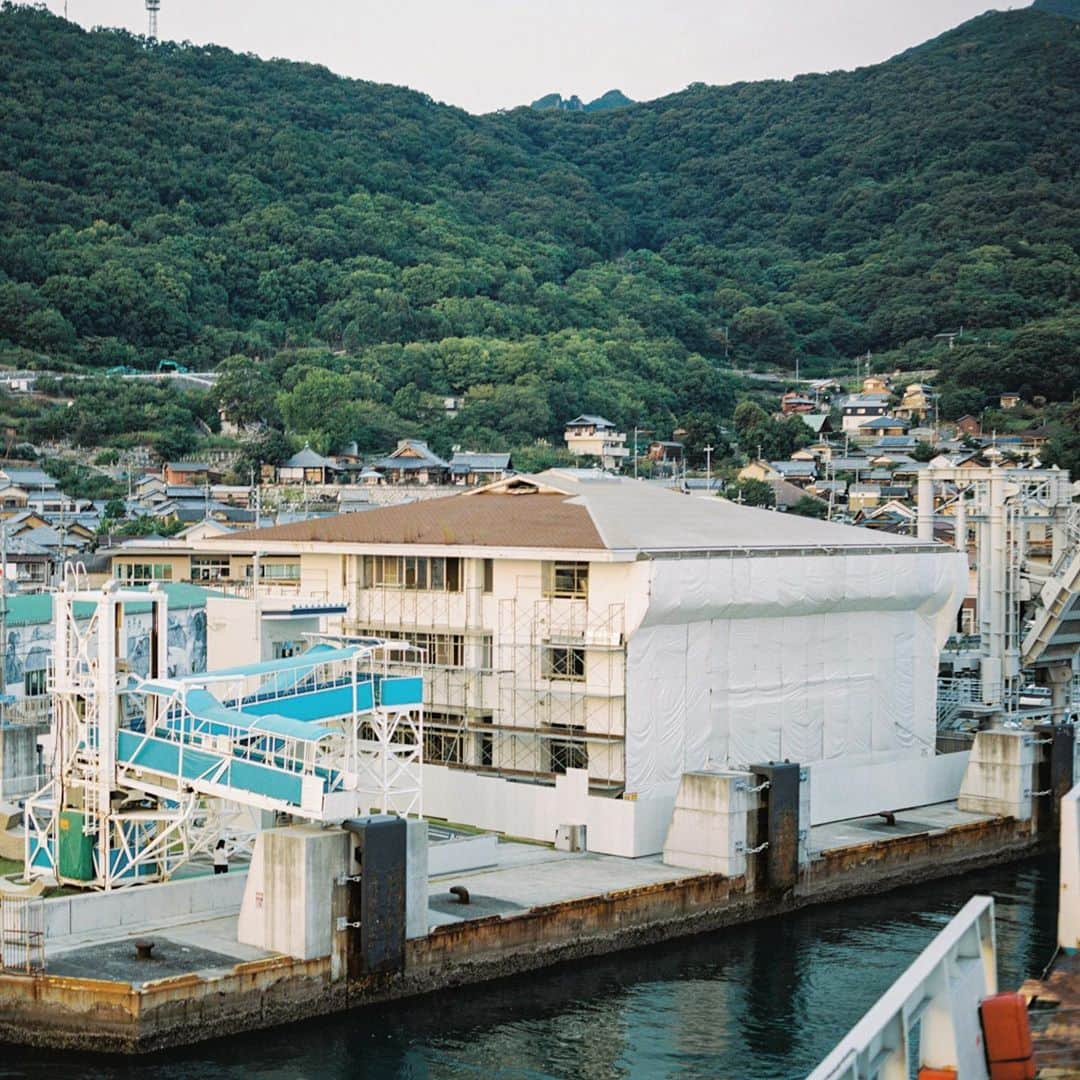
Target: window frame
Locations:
point(562, 662)
point(564, 579)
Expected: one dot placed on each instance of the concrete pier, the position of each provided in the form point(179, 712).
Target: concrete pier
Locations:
point(535, 908)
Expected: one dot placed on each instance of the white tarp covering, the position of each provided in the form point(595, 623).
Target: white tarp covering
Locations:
point(806, 657)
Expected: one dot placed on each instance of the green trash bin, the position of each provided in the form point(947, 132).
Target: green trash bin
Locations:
point(76, 849)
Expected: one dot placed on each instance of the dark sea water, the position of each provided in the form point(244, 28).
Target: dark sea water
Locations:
point(765, 1000)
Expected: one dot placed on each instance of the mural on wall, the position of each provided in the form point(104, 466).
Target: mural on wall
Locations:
point(29, 648)
point(186, 642)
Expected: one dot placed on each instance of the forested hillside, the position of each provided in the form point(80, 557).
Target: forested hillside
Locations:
point(375, 251)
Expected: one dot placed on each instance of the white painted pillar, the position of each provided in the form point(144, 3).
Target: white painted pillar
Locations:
point(1059, 531)
point(107, 703)
point(1069, 889)
point(925, 503)
point(474, 613)
point(998, 571)
point(960, 539)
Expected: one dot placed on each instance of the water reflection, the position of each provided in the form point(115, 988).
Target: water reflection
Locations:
point(766, 1000)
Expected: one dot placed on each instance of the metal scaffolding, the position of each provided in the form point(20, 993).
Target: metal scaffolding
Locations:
point(521, 686)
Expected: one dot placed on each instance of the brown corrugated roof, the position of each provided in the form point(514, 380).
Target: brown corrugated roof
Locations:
point(488, 519)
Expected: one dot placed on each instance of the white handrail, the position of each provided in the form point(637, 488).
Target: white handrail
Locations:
point(940, 994)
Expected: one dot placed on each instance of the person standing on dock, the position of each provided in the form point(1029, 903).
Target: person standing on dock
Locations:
point(221, 858)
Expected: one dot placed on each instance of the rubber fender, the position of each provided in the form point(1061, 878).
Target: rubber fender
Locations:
point(926, 1073)
point(1013, 1070)
point(1007, 1036)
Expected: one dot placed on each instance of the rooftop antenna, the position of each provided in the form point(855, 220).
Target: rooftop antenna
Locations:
point(152, 9)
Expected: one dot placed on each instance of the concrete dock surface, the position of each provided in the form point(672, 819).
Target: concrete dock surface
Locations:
point(524, 876)
point(1054, 1013)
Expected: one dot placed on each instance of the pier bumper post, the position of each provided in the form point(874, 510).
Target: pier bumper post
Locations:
point(778, 824)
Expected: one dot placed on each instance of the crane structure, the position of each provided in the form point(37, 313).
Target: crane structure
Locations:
point(148, 773)
point(1026, 556)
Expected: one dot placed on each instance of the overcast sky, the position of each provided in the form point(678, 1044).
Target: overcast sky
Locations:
point(491, 54)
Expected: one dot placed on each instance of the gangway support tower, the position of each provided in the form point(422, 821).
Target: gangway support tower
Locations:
point(150, 771)
point(1027, 562)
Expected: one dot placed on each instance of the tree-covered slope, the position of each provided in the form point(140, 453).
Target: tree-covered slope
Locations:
point(377, 250)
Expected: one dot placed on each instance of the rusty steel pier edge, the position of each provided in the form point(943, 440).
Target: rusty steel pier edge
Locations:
point(111, 1017)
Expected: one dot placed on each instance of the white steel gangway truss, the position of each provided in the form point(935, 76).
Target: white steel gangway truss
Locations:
point(149, 772)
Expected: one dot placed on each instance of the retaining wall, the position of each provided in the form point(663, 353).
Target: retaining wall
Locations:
point(44, 1010)
point(209, 896)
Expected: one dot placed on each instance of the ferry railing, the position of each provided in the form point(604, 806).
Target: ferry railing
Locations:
point(930, 1016)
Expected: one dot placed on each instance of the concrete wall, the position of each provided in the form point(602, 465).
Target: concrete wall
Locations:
point(143, 905)
point(846, 789)
point(231, 632)
point(287, 905)
point(1000, 777)
point(613, 826)
point(462, 854)
point(19, 775)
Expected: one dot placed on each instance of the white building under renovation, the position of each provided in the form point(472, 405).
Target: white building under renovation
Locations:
point(576, 621)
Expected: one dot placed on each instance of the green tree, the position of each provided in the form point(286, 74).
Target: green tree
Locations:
point(809, 506)
point(245, 391)
point(751, 493)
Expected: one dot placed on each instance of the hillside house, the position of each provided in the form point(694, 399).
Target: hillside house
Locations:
point(413, 462)
point(917, 403)
point(859, 408)
point(793, 403)
point(471, 469)
point(595, 436)
point(307, 467)
point(881, 426)
point(187, 473)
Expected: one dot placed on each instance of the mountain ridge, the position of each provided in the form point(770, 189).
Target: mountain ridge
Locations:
point(611, 99)
point(192, 202)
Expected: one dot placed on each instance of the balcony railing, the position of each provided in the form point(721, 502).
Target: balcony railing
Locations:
point(29, 710)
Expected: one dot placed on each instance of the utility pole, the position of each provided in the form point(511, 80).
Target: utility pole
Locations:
point(708, 468)
point(635, 452)
point(255, 490)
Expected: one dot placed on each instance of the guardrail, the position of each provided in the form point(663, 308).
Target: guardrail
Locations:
point(930, 1016)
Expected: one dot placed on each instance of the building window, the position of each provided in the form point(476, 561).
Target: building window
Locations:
point(440, 650)
point(275, 571)
point(489, 575)
point(417, 572)
point(143, 573)
point(284, 650)
point(486, 652)
point(566, 754)
point(486, 751)
point(443, 747)
point(562, 662)
point(209, 568)
point(566, 579)
point(35, 683)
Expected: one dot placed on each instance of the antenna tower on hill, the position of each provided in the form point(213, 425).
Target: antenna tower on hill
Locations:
point(152, 9)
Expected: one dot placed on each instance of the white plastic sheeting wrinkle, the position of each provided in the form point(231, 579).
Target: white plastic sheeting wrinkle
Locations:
point(801, 657)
